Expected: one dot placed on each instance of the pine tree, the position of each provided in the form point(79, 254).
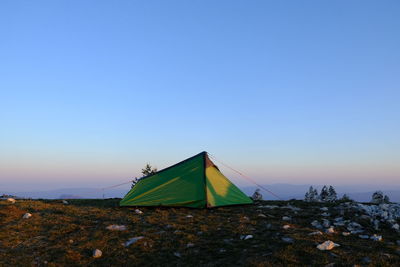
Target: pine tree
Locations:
point(332, 195)
point(315, 195)
point(377, 197)
point(146, 171)
point(345, 198)
point(386, 199)
point(308, 195)
point(323, 196)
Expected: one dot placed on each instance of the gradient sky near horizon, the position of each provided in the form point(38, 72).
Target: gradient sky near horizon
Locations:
point(285, 91)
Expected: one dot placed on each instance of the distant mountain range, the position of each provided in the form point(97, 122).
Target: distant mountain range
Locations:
point(361, 193)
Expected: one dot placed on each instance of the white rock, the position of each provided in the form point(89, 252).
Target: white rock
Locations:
point(330, 230)
point(286, 226)
point(26, 216)
point(65, 202)
point(364, 236)
point(190, 245)
point(114, 227)
point(133, 240)
point(327, 245)
point(325, 214)
point(396, 227)
point(189, 216)
point(286, 218)
point(137, 211)
point(376, 237)
point(245, 237)
point(262, 215)
point(97, 253)
point(316, 233)
point(11, 200)
point(177, 254)
point(345, 233)
point(324, 209)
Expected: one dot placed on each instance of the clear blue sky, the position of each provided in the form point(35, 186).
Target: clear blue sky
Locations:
point(285, 91)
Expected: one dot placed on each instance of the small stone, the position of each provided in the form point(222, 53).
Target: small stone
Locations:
point(345, 233)
point(287, 240)
point(330, 230)
point(325, 214)
point(97, 253)
point(245, 237)
point(396, 227)
point(376, 237)
point(133, 240)
point(137, 211)
point(286, 226)
point(71, 241)
point(324, 209)
point(262, 215)
point(316, 224)
point(11, 200)
point(286, 218)
point(114, 227)
point(327, 245)
point(190, 245)
point(177, 254)
point(27, 216)
point(65, 202)
point(189, 216)
point(364, 236)
point(316, 233)
point(222, 250)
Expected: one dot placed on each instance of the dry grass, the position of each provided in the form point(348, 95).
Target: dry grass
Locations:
point(65, 235)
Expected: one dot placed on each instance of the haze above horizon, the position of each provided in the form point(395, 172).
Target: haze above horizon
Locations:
point(298, 92)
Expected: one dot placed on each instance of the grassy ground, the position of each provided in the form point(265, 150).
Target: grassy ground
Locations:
point(66, 235)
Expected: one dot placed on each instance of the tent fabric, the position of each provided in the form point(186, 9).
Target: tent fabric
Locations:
point(195, 182)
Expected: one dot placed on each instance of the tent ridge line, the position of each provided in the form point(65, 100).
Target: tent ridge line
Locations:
point(176, 164)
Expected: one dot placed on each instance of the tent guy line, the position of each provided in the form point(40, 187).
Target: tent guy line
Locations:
point(213, 157)
point(246, 177)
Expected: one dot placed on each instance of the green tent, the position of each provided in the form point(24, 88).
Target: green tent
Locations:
point(195, 182)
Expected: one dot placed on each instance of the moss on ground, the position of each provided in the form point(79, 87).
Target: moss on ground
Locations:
point(66, 235)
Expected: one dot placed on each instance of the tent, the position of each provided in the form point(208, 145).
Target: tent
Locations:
point(195, 182)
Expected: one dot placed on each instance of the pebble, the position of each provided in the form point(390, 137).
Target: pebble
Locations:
point(286, 218)
point(376, 237)
point(330, 230)
point(286, 226)
point(65, 202)
point(245, 237)
point(137, 211)
point(115, 227)
point(262, 215)
point(190, 245)
point(97, 253)
point(327, 245)
point(345, 233)
point(364, 236)
point(27, 216)
point(177, 254)
point(316, 233)
point(11, 200)
point(133, 240)
point(189, 216)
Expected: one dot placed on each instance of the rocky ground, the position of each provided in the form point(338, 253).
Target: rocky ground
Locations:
point(269, 233)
